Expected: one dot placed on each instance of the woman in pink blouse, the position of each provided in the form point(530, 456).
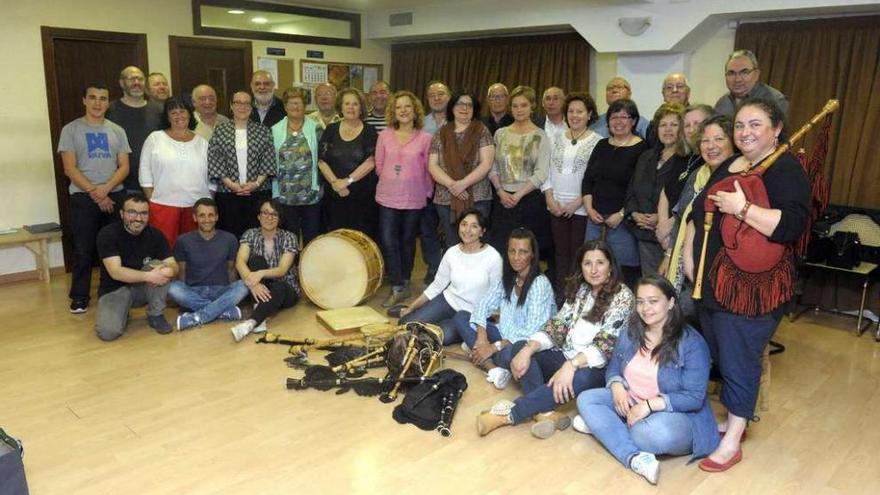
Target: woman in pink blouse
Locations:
point(403, 189)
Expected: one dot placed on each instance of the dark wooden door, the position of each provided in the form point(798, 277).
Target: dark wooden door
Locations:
point(73, 58)
point(225, 65)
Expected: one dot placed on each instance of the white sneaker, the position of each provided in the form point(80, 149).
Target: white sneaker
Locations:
point(241, 330)
point(261, 328)
point(499, 377)
point(580, 425)
point(647, 465)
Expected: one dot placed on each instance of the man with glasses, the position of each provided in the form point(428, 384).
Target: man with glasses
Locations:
point(136, 267)
point(498, 115)
point(325, 100)
point(741, 73)
point(616, 89)
point(268, 109)
point(675, 89)
point(137, 116)
point(94, 152)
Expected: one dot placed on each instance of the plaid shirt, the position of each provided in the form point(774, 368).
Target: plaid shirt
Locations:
point(517, 322)
point(285, 242)
point(223, 162)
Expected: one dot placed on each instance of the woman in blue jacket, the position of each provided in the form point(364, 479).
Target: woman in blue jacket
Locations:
point(655, 399)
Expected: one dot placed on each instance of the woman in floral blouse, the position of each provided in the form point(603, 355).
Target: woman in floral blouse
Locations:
point(569, 355)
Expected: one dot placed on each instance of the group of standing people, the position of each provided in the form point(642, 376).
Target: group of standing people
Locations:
point(612, 203)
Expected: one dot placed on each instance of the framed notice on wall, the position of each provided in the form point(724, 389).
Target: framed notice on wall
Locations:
point(340, 74)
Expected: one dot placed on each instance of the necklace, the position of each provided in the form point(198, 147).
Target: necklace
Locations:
point(574, 140)
point(294, 131)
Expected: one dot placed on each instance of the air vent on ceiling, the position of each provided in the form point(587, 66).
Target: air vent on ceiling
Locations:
point(400, 19)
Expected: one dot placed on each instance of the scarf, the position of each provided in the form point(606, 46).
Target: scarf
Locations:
point(457, 158)
point(675, 274)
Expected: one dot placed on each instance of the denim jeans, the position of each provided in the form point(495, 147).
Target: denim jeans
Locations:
point(397, 234)
point(736, 344)
point(450, 225)
point(659, 433)
point(537, 396)
point(462, 324)
point(438, 312)
point(430, 240)
point(208, 302)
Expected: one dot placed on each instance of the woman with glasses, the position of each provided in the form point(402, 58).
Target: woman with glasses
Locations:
point(522, 163)
point(298, 186)
point(654, 169)
point(241, 158)
point(605, 184)
point(460, 158)
point(174, 170)
point(346, 161)
point(265, 263)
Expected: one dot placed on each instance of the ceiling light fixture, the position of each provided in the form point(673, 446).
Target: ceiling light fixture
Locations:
point(235, 12)
point(259, 20)
point(634, 26)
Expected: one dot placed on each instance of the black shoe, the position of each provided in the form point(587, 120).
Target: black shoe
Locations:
point(79, 305)
point(159, 324)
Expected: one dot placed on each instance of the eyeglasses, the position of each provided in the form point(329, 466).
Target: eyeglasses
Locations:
point(617, 87)
point(134, 79)
point(269, 214)
point(675, 87)
point(464, 104)
point(733, 74)
point(135, 213)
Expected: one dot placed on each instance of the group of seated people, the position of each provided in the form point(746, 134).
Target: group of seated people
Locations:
point(614, 206)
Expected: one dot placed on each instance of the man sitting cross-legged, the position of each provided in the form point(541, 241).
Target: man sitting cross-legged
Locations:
point(207, 285)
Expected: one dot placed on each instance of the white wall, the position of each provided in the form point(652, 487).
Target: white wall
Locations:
point(28, 182)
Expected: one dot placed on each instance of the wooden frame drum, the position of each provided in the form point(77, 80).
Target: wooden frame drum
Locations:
point(341, 269)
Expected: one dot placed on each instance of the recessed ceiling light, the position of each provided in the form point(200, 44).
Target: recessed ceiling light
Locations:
point(235, 11)
point(259, 20)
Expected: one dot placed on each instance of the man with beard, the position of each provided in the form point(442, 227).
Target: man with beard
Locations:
point(157, 87)
point(204, 100)
point(206, 284)
point(379, 93)
point(268, 109)
point(137, 116)
point(136, 267)
point(438, 97)
point(325, 100)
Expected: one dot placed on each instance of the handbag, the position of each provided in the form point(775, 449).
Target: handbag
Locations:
point(845, 250)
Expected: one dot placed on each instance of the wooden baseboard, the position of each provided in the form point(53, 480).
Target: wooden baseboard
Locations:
point(8, 278)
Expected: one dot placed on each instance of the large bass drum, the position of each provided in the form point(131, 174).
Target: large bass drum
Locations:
point(340, 269)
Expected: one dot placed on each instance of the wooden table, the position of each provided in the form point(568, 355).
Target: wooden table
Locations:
point(863, 270)
point(35, 243)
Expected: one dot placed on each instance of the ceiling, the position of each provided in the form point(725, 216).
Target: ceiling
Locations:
point(403, 5)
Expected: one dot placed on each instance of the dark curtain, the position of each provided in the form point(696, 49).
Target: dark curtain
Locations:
point(561, 60)
point(811, 61)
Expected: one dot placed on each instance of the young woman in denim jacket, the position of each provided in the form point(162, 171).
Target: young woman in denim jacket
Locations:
point(655, 399)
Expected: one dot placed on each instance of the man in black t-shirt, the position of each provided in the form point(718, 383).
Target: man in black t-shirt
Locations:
point(136, 266)
point(138, 116)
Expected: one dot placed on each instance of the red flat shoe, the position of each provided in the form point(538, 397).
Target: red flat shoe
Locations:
point(711, 466)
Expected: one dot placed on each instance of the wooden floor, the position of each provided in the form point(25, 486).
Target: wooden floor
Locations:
point(195, 413)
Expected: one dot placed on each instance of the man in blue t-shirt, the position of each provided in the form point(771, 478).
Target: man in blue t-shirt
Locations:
point(207, 285)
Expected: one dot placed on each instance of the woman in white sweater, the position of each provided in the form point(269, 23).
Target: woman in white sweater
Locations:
point(174, 170)
point(467, 271)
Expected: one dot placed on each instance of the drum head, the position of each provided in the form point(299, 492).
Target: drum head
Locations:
point(333, 272)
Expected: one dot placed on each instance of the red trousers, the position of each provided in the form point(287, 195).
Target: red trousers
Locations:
point(171, 221)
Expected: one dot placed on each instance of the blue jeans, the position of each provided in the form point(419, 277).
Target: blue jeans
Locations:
point(538, 397)
point(462, 324)
point(397, 234)
point(659, 433)
point(736, 344)
point(450, 225)
point(431, 248)
point(208, 301)
point(438, 312)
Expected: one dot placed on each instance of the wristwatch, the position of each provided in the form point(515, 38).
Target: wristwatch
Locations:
point(497, 345)
point(574, 362)
point(350, 180)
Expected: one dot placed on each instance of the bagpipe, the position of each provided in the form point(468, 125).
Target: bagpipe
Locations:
point(411, 354)
point(751, 275)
